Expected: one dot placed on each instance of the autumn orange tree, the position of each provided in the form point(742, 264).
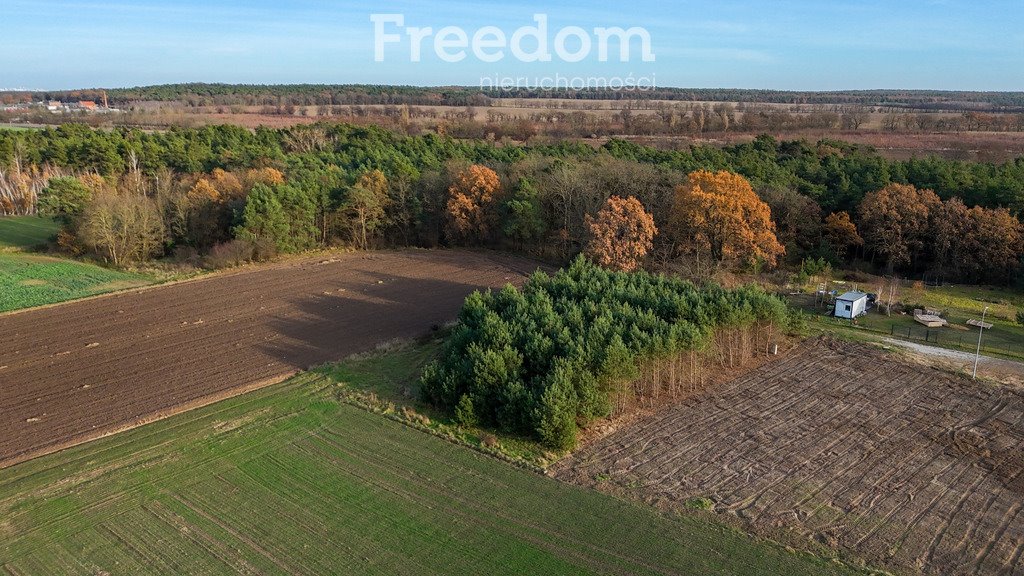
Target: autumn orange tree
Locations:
point(470, 201)
point(895, 220)
point(268, 176)
point(621, 234)
point(976, 243)
point(997, 244)
point(841, 233)
point(718, 214)
point(949, 223)
point(203, 191)
point(227, 184)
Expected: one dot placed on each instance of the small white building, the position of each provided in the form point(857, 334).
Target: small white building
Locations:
point(851, 305)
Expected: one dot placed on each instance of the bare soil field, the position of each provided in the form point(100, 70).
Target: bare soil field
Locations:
point(906, 467)
point(77, 371)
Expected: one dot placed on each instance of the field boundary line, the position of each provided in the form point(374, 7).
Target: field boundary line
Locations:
point(150, 418)
point(281, 262)
point(158, 284)
point(396, 417)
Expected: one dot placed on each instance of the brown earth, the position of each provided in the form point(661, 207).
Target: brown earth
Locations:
point(906, 467)
point(77, 371)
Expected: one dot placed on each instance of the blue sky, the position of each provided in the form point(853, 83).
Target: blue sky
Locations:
point(776, 44)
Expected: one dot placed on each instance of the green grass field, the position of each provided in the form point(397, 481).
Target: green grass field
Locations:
point(26, 232)
point(290, 480)
point(27, 280)
point(393, 390)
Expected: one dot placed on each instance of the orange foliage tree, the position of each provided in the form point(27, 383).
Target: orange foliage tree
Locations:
point(269, 176)
point(895, 221)
point(841, 233)
point(227, 184)
point(949, 223)
point(470, 199)
point(203, 191)
point(718, 214)
point(621, 235)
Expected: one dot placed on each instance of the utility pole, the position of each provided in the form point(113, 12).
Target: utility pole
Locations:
point(892, 295)
point(977, 353)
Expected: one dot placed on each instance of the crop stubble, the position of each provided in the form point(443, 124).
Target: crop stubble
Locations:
point(904, 466)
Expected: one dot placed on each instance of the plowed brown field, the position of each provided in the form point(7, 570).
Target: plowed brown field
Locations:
point(904, 466)
point(88, 368)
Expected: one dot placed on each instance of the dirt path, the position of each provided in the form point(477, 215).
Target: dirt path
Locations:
point(85, 369)
point(999, 369)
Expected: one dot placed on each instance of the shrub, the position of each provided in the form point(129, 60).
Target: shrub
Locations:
point(464, 413)
point(908, 307)
point(811, 268)
point(231, 253)
point(796, 322)
point(700, 503)
point(489, 441)
point(187, 255)
point(69, 243)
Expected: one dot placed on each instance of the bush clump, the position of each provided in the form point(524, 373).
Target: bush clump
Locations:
point(229, 254)
point(547, 359)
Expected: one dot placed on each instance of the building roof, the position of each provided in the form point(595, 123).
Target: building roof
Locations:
point(852, 296)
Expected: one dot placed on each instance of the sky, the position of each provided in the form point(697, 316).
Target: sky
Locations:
point(760, 44)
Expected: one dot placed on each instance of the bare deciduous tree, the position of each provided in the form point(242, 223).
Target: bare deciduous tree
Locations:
point(124, 228)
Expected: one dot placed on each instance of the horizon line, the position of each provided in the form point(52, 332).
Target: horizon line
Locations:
point(512, 89)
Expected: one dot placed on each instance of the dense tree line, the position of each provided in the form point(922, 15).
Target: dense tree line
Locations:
point(199, 94)
point(838, 175)
point(902, 225)
point(547, 359)
point(228, 190)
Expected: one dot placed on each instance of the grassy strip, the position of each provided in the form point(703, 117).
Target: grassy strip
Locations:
point(28, 281)
point(290, 479)
point(26, 232)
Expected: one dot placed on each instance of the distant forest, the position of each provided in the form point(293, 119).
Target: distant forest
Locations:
point(202, 94)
